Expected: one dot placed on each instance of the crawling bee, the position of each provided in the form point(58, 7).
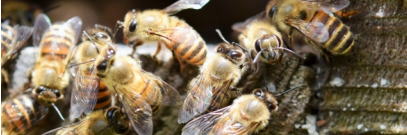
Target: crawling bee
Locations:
point(12, 40)
point(20, 113)
point(248, 114)
point(93, 40)
point(158, 25)
point(94, 123)
point(262, 39)
point(211, 89)
point(49, 77)
point(139, 92)
point(314, 20)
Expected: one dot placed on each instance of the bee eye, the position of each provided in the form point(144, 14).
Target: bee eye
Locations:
point(102, 66)
point(303, 15)
point(257, 45)
point(271, 107)
point(57, 93)
point(234, 54)
point(133, 26)
point(272, 11)
point(39, 89)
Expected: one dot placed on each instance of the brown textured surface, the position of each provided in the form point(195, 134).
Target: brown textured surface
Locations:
point(367, 90)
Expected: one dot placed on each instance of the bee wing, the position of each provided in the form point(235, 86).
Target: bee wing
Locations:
point(83, 98)
point(169, 93)
point(331, 5)
point(23, 34)
point(313, 30)
point(185, 4)
point(139, 112)
point(202, 125)
point(42, 23)
point(76, 24)
point(240, 26)
point(197, 101)
point(78, 127)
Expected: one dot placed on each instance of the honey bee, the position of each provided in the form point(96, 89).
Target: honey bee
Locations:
point(12, 40)
point(49, 77)
point(248, 114)
point(20, 113)
point(139, 92)
point(210, 90)
point(158, 25)
point(262, 39)
point(94, 123)
point(83, 99)
point(314, 20)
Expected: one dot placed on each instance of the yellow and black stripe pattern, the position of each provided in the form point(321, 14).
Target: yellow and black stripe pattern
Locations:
point(57, 42)
point(340, 39)
point(20, 113)
point(192, 49)
point(8, 34)
point(103, 97)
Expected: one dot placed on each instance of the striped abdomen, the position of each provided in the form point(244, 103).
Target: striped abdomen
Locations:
point(7, 37)
point(56, 43)
point(103, 97)
point(340, 39)
point(148, 89)
point(188, 46)
point(19, 114)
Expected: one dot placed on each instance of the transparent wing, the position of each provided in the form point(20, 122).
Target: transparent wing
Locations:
point(84, 93)
point(76, 24)
point(169, 93)
point(197, 101)
point(23, 34)
point(240, 26)
point(313, 30)
point(331, 5)
point(185, 4)
point(42, 23)
point(74, 128)
point(139, 112)
point(202, 125)
point(233, 128)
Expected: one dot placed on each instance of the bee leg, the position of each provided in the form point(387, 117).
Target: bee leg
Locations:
point(157, 50)
point(182, 64)
point(5, 76)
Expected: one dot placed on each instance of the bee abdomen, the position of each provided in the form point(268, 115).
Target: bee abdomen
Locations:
point(103, 97)
point(340, 39)
point(18, 114)
point(192, 50)
point(56, 45)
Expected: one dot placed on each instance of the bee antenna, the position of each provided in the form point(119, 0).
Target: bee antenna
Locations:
point(58, 112)
point(221, 36)
point(77, 64)
point(256, 58)
point(290, 51)
point(286, 91)
point(117, 27)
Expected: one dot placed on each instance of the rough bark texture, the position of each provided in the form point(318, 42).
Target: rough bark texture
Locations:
point(367, 90)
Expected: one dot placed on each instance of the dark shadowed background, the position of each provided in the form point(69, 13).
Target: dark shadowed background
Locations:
point(216, 14)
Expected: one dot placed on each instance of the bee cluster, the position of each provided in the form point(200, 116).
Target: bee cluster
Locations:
point(232, 88)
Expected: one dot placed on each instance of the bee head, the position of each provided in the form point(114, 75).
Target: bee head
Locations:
point(47, 96)
point(233, 53)
point(117, 119)
point(267, 98)
point(267, 45)
point(105, 61)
